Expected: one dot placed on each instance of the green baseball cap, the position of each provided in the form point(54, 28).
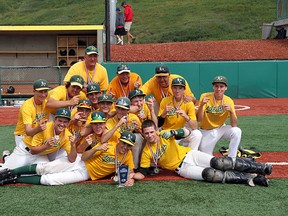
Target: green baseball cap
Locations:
point(91, 50)
point(128, 137)
point(135, 93)
point(162, 70)
point(179, 82)
point(41, 84)
point(77, 80)
point(123, 68)
point(93, 87)
point(63, 112)
point(85, 104)
point(220, 79)
point(123, 103)
point(97, 117)
point(105, 98)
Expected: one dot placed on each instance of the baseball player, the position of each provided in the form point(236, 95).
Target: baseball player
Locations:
point(144, 109)
point(92, 93)
point(175, 113)
point(106, 105)
point(53, 142)
point(33, 113)
point(100, 160)
point(198, 165)
point(67, 96)
point(214, 108)
point(90, 70)
point(124, 82)
point(160, 86)
point(124, 121)
point(78, 121)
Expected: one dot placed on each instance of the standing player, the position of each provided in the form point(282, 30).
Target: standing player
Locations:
point(47, 145)
point(33, 113)
point(160, 86)
point(124, 82)
point(90, 70)
point(100, 160)
point(198, 165)
point(214, 108)
point(176, 113)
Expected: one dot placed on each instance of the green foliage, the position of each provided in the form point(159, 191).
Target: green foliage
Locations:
point(155, 21)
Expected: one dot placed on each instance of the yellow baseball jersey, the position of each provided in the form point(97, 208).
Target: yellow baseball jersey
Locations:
point(60, 93)
point(39, 138)
point(214, 115)
point(170, 154)
point(99, 75)
point(30, 114)
point(130, 126)
point(115, 86)
point(152, 87)
point(102, 163)
point(174, 120)
point(145, 110)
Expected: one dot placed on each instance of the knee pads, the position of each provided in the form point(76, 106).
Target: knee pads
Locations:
point(222, 163)
point(212, 175)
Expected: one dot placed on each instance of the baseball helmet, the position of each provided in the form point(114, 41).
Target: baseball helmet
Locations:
point(62, 62)
point(72, 52)
point(10, 90)
point(63, 52)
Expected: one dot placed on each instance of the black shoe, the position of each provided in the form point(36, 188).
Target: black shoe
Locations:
point(5, 173)
point(10, 180)
point(261, 180)
point(268, 169)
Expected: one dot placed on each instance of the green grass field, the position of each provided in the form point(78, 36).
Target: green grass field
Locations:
point(268, 133)
point(155, 21)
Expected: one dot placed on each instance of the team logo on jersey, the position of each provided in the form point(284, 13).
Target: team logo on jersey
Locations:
point(215, 109)
point(108, 159)
point(39, 117)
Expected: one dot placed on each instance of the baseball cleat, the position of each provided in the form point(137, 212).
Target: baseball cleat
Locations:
point(10, 180)
point(268, 169)
point(5, 173)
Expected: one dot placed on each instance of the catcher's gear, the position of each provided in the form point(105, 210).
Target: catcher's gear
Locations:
point(240, 164)
point(217, 176)
point(242, 152)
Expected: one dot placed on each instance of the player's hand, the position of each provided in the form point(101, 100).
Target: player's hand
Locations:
point(227, 107)
point(42, 124)
point(104, 146)
point(167, 134)
point(142, 117)
point(72, 139)
point(137, 85)
point(84, 89)
point(182, 113)
point(77, 116)
point(111, 93)
point(123, 120)
point(74, 101)
point(137, 126)
point(150, 103)
point(89, 139)
point(129, 182)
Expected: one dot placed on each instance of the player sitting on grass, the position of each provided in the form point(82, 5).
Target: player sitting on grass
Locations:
point(192, 164)
point(55, 141)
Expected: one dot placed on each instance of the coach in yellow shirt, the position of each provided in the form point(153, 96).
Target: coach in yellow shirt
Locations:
point(214, 109)
point(90, 70)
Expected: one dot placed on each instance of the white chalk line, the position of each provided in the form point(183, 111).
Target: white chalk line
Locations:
point(278, 163)
point(237, 107)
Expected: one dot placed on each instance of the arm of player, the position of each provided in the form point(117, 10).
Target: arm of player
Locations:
point(52, 103)
point(107, 134)
point(200, 112)
point(132, 177)
point(89, 153)
point(37, 149)
point(233, 117)
point(30, 131)
point(73, 152)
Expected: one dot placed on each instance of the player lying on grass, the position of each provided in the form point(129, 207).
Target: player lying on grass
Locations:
point(192, 164)
point(98, 161)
